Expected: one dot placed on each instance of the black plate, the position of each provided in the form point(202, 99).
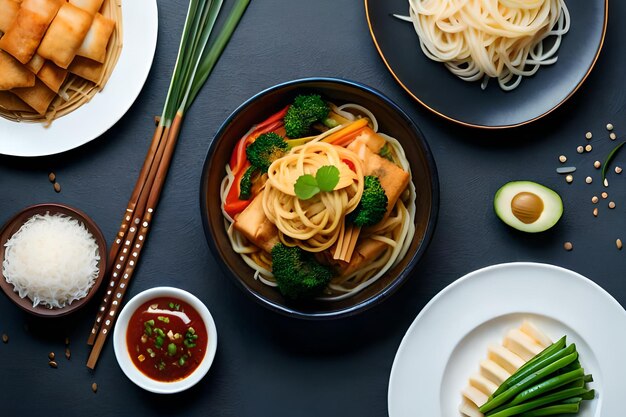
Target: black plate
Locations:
point(431, 84)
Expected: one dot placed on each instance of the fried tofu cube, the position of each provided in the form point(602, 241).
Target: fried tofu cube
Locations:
point(365, 252)
point(371, 139)
point(393, 179)
point(255, 226)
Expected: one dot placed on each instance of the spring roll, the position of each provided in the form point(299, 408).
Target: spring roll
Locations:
point(13, 74)
point(65, 35)
point(28, 28)
point(11, 102)
point(90, 6)
point(9, 11)
point(52, 76)
point(95, 44)
point(87, 69)
point(36, 63)
point(38, 97)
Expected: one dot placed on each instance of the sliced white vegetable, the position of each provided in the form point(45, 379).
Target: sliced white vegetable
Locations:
point(540, 337)
point(505, 358)
point(493, 372)
point(521, 344)
point(483, 384)
point(475, 395)
point(469, 409)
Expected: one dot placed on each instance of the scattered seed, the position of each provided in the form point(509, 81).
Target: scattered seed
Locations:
point(595, 212)
point(613, 136)
point(609, 126)
point(606, 182)
point(51, 356)
point(618, 170)
point(605, 194)
point(568, 246)
point(53, 364)
point(580, 149)
point(588, 135)
point(94, 387)
point(569, 178)
point(594, 199)
point(597, 164)
point(565, 170)
point(563, 158)
point(588, 180)
point(611, 204)
point(618, 243)
point(52, 177)
point(588, 148)
point(5, 338)
point(68, 354)
point(57, 187)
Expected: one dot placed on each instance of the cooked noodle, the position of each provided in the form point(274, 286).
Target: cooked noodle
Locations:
point(306, 222)
point(482, 39)
point(313, 224)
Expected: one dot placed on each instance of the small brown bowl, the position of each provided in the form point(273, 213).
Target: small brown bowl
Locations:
point(14, 224)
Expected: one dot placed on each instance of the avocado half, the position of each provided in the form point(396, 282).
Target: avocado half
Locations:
point(528, 206)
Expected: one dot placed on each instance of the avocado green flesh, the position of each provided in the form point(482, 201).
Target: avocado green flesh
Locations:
point(546, 216)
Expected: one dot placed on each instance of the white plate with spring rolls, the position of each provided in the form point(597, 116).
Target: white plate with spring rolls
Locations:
point(445, 344)
point(92, 119)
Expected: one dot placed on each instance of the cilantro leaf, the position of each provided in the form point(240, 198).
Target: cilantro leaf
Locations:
point(327, 177)
point(306, 187)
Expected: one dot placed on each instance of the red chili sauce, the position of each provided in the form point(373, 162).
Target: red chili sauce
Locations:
point(166, 339)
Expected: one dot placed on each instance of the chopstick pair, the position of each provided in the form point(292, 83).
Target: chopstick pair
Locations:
point(193, 65)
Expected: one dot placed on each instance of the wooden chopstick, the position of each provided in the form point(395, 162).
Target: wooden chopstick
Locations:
point(133, 241)
point(134, 204)
point(185, 84)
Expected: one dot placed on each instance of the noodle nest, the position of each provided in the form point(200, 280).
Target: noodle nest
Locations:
point(314, 224)
point(482, 39)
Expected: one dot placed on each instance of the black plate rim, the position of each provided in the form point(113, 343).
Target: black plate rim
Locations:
point(479, 126)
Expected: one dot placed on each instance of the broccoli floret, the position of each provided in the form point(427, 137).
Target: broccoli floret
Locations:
point(373, 204)
point(245, 185)
point(297, 274)
point(305, 110)
point(266, 149)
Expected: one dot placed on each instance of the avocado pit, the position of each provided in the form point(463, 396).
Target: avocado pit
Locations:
point(527, 207)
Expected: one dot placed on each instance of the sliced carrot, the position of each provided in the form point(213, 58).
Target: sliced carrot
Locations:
point(344, 136)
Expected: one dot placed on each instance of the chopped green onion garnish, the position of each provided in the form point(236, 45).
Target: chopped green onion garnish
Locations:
point(171, 349)
point(158, 343)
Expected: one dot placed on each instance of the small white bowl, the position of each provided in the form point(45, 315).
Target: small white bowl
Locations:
point(121, 348)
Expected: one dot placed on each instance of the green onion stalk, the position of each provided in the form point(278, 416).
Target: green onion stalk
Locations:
point(198, 53)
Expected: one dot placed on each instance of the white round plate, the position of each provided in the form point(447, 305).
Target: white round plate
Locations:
point(140, 23)
point(450, 336)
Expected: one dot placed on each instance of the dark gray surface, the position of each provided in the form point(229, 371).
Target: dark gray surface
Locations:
point(268, 365)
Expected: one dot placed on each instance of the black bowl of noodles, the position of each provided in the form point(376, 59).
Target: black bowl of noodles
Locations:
point(374, 270)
